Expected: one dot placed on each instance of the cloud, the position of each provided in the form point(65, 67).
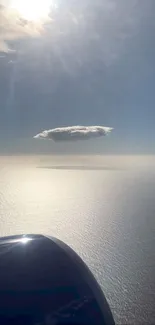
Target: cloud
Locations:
point(74, 133)
point(79, 32)
point(84, 32)
point(13, 27)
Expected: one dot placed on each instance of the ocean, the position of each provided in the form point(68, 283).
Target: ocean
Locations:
point(103, 207)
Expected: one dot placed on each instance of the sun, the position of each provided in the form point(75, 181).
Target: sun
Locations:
point(32, 10)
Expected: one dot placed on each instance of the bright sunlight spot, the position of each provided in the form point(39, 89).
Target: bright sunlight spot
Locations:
point(33, 10)
point(25, 240)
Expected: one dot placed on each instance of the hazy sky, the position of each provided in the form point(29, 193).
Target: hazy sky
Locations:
point(92, 63)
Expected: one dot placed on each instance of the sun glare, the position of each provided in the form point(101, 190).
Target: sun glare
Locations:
point(32, 10)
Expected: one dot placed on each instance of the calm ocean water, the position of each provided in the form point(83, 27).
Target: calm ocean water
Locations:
point(103, 207)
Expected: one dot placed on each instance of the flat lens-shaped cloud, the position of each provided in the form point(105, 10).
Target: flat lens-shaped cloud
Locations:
point(74, 133)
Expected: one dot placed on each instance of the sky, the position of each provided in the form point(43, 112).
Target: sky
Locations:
point(88, 63)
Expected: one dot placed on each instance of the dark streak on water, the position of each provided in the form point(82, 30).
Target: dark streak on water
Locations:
point(80, 168)
point(106, 215)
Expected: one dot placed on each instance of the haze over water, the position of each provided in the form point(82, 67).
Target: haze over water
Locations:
point(103, 207)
